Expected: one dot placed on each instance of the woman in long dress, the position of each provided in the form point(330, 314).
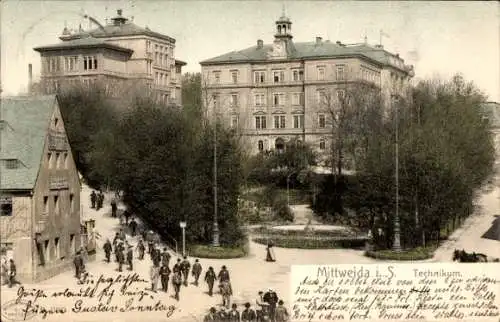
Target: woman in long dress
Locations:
point(270, 252)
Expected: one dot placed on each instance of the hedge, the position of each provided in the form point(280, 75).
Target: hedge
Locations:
point(305, 233)
point(414, 254)
point(312, 242)
point(207, 251)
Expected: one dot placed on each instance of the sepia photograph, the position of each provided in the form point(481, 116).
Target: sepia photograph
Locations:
point(249, 161)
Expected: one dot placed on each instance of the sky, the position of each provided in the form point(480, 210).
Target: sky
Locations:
point(439, 38)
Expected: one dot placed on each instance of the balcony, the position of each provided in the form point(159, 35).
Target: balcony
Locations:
point(57, 141)
point(58, 183)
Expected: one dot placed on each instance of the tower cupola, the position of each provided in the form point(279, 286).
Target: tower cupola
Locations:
point(119, 19)
point(283, 27)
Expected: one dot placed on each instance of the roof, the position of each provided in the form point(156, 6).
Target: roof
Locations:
point(180, 62)
point(492, 111)
point(120, 30)
point(28, 119)
point(307, 51)
point(84, 42)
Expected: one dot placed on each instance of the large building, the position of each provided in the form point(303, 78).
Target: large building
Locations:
point(120, 52)
point(40, 188)
point(276, 92)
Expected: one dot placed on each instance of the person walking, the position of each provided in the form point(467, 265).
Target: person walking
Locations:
point(114, 208)
point(93, 199)
point(164, 276)
point(210, 278)
point(248, 314)
point(141, 249)
point(177, 282)
point(78, 263)
point(234, 315)
point(211, 316)
point(154, 274)
point(130, 257)
point(133, 227)
point(121, 256)
point(100, 199)
point(185, 266)
point(270, 257)
point(223, 275)
point(151, 246)
point(156, 257)
point(12, 273)
point(122, 235)
point(196, 271)
point(165, 257)
point(107, 249)
point(281, 314)
point(262, 308)
point(177, 266)
point(271, 298)
point(126, 213)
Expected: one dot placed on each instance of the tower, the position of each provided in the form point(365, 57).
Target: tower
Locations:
point(282, 45)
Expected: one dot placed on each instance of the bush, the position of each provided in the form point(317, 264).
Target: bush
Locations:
point(282, 211)
point(419, 253)
point(313, 243)
point(305, 233)
point(206, 251)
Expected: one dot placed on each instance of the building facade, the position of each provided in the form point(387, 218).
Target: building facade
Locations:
point(276, 92)
point(40, 188)
point(116, 54)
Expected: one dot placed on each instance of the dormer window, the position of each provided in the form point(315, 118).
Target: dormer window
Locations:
point(56, 120)
point(11, 163)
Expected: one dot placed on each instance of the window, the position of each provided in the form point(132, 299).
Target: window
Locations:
point(46, 249)
point(279, 76)
point(278, 99)
point(260, 145)
point(72, 244)
point(57, 248)
point(217, 77)
point(6, 206)
point(322, 144)
point(57, 160)
point(322, 97)
point(70, 63)
point(234, 77)
point(215, 99)
point(322, 121)
point(259, 99)
point(279, 121)
point(89, 62)
point(148, 46)
point(260, 122)
point(71, 202)
point(56, 204)
point(259, 77)
point(53, 64)
point(11, 163)
point(298, 75)
point(297, 98)
point(321, 73)
point(45, 205)
point(340, 72)
point(298, 121)
point(161, 59)
point(65, 160)
point(156, 57)
point(340, 95)
point(234, 121)
point(234, 100)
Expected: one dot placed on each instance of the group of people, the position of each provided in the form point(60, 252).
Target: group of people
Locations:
point(268, 308)
point(96, 200)
point(8, 272)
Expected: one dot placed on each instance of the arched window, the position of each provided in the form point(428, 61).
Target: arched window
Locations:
point(279, 30)
point(279, 144)
point(261, 145)
point(322, 144)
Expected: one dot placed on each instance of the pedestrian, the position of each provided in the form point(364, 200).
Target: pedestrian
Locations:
point(234, 315)
point(122, 235)
point(262, 308)
point(177, 282)
point(116, 243)
point(185, 266)
point(121, 256)
point(156, 257)
point(78, 262)
point(154, 274)
point(100, 199)
point(196, 271)
point(211, 316)
point(270, 257)
point(141, 249)
point(12, 273)
point(127, 216)
point(107, 249)
point(281, 314)
point(210, 278)
point(130, 256)
point(177, 266)
point(151, 246)
point(164, 276)
point(133, 227)
point(271, 298)
point(165, 257)
point(223, 275)
point(114, 208)
point(93, 199)
point(223, 314)
point(248, 315)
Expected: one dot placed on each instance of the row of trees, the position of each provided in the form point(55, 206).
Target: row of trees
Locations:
point(159, 157)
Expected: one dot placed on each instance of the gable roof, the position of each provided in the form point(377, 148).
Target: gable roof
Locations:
point(307, 51)
point(84, 42)
point(28, 120)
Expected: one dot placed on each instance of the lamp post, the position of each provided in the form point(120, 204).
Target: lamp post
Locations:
point(396, 246)
point(182, 224)
point(215, 230)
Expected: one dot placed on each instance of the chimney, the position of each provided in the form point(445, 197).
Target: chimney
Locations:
point(260, 43)
point(30, 77)
point(119, 12)
point(318, 40)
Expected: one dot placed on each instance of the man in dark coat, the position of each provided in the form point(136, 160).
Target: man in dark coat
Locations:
point(127, 216)
point(224, 275)
point(100, 199)
point(107, 250)
point(121, 256)
point(165, 257)
point(164, 276)
point(133, 227)
point(78, 262)
point(130, 257)
point(12, 272)
point(222, 314)
point(177, 282)
point(211, 316)
point(141, 249)
point(234, 315)
point(210, 278)
point(185, 266)
point(177, 266)
point(151, 246)
point(156, 257)
point(114, 208)
point(196, 270)
point(271, 298)
point(93, 199)
point(248, 315)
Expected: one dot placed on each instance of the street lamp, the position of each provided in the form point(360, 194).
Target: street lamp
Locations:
point(396, 246)
point(215, 231)
point(182, 224)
